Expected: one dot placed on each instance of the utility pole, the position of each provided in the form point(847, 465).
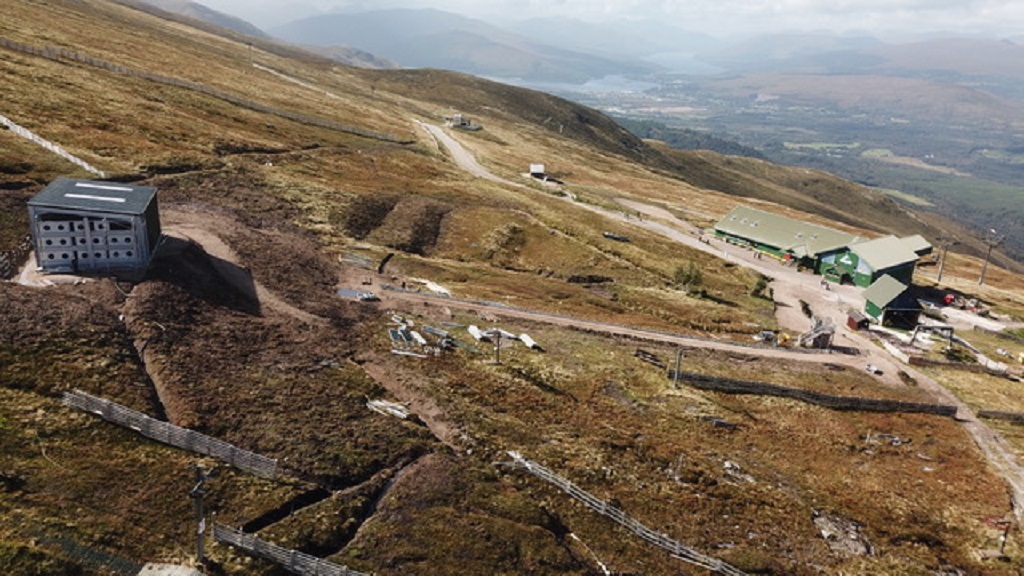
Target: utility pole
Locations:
point(993, 239)
point(945, 243)
point(197, 492)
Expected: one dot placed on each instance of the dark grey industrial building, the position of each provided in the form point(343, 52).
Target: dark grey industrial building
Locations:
point(83, 226)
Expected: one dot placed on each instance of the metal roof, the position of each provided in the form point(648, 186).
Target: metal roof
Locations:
point(885, 252)
point(884, 291)
point(918, 244)
point(796, 236)
point(114, 197)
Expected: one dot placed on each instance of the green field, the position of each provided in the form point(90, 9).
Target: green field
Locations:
point(821, 145)
point(904, 197)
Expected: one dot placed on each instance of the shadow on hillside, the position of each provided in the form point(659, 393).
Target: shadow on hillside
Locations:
point(845, 350)
point(718, 300)
point(219, 282)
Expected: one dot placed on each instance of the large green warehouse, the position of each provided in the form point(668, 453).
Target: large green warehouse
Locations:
point(838, 256)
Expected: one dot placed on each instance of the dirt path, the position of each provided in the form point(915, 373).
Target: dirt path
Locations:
point(462, 157)
point(790, 287)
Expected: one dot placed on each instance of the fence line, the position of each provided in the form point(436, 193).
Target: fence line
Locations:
point(168, 433)
point(999, 334)
point(32, 136)
point(676, 549)
point(1012, 417)
point(962, 366)
point(730, 386)
point(63, 54)
point(292, 560)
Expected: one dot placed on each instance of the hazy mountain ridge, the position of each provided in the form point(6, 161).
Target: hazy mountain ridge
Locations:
point(430, 38)
point(201, 12)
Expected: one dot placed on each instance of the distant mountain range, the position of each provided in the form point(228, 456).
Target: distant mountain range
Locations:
point(571, 51)
point(202, 13)
point(430, 38)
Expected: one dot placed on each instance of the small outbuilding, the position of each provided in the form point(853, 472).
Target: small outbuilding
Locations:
point(890, 303)
point(83, 226)
point(461, 122)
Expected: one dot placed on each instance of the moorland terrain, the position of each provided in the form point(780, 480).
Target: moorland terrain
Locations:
point(302, 176)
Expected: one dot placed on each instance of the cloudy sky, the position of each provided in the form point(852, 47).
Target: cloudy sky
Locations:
point(990, 17)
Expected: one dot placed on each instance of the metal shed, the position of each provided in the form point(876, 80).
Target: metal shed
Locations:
point(94, 226)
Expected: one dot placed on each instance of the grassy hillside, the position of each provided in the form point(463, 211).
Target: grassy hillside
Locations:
point(282, 169)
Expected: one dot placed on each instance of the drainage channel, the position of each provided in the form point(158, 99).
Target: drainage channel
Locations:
point(372, 492)
point(296, 503)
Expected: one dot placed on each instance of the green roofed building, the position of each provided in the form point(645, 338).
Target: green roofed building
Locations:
point(918, 244)
point(838, 256)
point(781, 236)
point(868, 260)
point(890, 303)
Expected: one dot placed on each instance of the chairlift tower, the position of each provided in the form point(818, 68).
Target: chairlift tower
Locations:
point(946, 243)
point(993, 239)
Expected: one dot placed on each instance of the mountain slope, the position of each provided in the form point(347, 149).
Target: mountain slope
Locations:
point(283, 176)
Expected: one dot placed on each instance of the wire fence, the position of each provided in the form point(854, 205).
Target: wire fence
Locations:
point(11, 259)
point(674, 548)
point(64, 55)
point(168, 433)
point(292, 560)
point(847, 403)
